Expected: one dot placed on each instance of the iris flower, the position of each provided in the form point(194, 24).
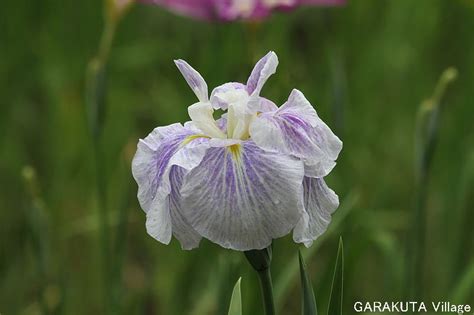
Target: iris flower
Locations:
point(229, 10)
point(251, 176)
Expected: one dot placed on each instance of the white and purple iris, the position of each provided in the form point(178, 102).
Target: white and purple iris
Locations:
point(252, 175)
point(231, 10)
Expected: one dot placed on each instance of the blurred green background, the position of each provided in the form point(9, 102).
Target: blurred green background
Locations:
point(366, 67)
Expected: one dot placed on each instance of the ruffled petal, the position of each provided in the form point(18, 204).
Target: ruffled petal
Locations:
point(163, 148)
point(150, 166)
point(195, 80)
point(241, 197)
point(319, 203)
point(296, 129)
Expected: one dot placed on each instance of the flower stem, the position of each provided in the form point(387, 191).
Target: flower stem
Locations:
point(426, 136)
point(266, 289)
point(95, 99)
point(260, 260)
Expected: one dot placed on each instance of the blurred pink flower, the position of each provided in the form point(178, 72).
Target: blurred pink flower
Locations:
point(230, 10)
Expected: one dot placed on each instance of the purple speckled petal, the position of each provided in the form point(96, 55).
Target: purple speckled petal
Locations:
point(319, 203)
point(163, 148)
point(296, 129)
point(195, 80)
point(241, 197)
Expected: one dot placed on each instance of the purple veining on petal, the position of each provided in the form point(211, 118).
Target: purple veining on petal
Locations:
point(296, 129)
point(194, 80)
point(242, 197)
point(181, 229)
point(150, 163)
point(263, 69)
point(319, 202)
point(266, 105)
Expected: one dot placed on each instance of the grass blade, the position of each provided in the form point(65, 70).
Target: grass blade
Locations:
point(337, 288)
point(235, 307)
point(309, 302)
point(287, 277)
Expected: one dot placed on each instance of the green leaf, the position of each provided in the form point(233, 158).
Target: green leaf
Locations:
point(235, 307)
point(466, 283)
point(337, 288)
point(309, 302)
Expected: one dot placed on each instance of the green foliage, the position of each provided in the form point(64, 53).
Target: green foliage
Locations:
point(235, 307)
point(309, 302)
point(337, 288)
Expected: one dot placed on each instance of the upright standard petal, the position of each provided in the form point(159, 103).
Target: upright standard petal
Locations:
point(194, 79)
point(263, 69)
point(319, 203)
point(296, 129)
point(151, 167)
point(241, 197)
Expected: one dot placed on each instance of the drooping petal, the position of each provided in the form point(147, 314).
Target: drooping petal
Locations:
point(319, 203)
point(195, 81)
point(264, 68)
point(241, 197)
point(150, 166)
point(163, 148)
point(182, 230)
point(296, 129)
point(165, 217)
point(158, 221)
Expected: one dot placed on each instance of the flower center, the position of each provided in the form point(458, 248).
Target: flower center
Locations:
point(238, 118)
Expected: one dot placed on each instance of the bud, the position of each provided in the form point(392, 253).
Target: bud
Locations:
point(260, 259)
